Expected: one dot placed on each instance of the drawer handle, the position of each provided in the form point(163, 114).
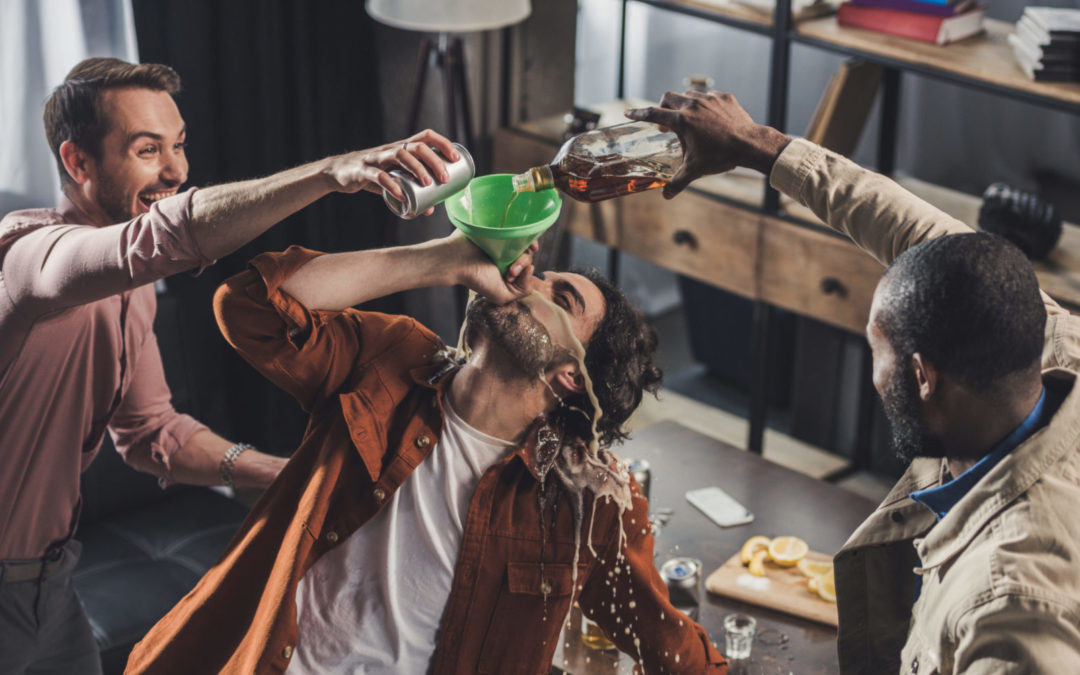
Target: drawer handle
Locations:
point(683, 237)
point(833, 286)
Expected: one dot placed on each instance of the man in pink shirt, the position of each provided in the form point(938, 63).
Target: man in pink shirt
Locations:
point(78, 355)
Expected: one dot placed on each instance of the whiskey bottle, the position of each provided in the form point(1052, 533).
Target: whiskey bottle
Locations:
point(609, 162)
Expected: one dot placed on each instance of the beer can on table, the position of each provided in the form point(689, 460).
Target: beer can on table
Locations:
point(641, 470)
point(419, 198)
point(683, 579)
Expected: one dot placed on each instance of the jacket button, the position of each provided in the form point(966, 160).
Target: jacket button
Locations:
point(897, 517)
point(545, 587)
point(423, 441)
point(287, 651)
point(380, 494)
point(332, 537)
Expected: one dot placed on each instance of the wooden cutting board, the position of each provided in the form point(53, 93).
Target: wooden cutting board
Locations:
point(782, 588)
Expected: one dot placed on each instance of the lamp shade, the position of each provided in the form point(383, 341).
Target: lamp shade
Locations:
point(448, 16)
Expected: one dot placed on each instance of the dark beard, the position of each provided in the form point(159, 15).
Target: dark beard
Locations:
point(513, 329)
point(910, 437)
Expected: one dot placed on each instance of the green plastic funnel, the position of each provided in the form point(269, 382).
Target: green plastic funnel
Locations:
point(479, 209)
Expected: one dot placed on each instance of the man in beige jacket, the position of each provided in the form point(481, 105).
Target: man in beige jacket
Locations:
point(971, 563)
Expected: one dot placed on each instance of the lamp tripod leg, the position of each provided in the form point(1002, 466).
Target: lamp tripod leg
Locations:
point(457, 49)
point(422, 59)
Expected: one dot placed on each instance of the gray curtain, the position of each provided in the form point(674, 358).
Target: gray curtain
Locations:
point(40, 41)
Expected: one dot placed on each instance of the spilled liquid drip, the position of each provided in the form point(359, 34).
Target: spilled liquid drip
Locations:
point(579, 465)
point(567, 339)
point(462, 346)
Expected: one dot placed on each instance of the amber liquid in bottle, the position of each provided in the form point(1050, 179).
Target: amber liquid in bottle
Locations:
point(578, 179)
point(610, 162)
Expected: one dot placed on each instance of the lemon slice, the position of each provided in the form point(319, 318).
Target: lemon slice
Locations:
point(786, 551)
point(826, 587)
point(757, 563)
point(752, 546)
point(814, 568)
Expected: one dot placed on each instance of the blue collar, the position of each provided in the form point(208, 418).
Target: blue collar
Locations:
point(942, 498)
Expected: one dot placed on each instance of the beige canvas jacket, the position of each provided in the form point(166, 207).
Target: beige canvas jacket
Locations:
point(1001, 572)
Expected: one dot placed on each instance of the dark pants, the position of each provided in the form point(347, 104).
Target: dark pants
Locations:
point(43, 627)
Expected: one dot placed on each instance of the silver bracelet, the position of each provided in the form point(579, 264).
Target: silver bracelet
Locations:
point(229, 461)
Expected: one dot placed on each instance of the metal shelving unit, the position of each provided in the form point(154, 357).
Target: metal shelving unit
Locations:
point(981, 64)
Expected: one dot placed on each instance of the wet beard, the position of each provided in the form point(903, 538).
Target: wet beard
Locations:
point(910, 437)
point(513, 329)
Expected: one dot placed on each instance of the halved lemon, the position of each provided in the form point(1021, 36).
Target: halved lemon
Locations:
point(826, 586)
point(787, 551)
point(757, 563)
point(752, 546)
point(814, 568)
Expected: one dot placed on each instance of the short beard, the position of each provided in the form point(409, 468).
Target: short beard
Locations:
point(516, 332)
point(910, 436)
point(112, 203)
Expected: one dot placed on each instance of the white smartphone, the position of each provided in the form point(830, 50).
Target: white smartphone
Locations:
point(720, 507)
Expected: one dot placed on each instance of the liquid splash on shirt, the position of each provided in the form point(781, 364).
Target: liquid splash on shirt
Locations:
point(578, 465)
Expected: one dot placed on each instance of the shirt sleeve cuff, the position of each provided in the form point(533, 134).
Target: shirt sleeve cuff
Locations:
point(794, 165)
point(169, 440)
point(275, 269)
point(182, 244)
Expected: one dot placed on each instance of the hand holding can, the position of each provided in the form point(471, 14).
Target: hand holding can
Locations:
point(418, 198)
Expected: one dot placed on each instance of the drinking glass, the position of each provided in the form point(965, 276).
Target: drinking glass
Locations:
point(738, 635)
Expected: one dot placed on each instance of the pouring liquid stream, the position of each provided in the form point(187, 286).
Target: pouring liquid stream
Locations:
point(506, 211)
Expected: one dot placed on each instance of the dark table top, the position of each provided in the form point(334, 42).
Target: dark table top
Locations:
point(783, 502)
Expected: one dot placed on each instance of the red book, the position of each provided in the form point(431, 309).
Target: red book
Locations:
point(917, 26)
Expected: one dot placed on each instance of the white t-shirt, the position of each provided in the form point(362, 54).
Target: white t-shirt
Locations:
point(374, 603)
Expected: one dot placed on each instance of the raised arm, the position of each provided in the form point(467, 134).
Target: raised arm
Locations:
point(225, 217)
point(64, 265)
point(284, 315)
point(717, 135)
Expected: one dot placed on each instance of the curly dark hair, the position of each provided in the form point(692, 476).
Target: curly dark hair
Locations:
point(619, 359)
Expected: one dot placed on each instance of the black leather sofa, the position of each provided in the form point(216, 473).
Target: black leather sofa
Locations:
point(144, 548)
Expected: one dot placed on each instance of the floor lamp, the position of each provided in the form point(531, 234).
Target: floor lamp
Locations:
point(446, 17)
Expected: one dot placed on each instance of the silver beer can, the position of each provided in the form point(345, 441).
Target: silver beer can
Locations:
point(641, 470)
point(683, 579)
point(419, 198)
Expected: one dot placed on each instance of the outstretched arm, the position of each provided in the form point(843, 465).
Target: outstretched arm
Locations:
point(63, 265)
point(225, 217)
point(339, 280)
point(284, 315)
point(717, 135)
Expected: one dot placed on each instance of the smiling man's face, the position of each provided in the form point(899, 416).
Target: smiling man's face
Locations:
point(142, 155)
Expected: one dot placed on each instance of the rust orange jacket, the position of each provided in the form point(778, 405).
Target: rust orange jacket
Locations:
point(374, 393)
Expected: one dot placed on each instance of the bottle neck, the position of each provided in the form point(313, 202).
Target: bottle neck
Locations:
point(535, 179)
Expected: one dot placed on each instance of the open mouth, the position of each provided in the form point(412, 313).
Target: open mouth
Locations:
point(147, 199)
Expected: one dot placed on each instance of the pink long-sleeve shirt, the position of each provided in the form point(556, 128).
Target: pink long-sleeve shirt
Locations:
point(78, 354)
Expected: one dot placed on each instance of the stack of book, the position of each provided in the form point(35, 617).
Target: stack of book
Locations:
point(1047, 44)
point(936, 21)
